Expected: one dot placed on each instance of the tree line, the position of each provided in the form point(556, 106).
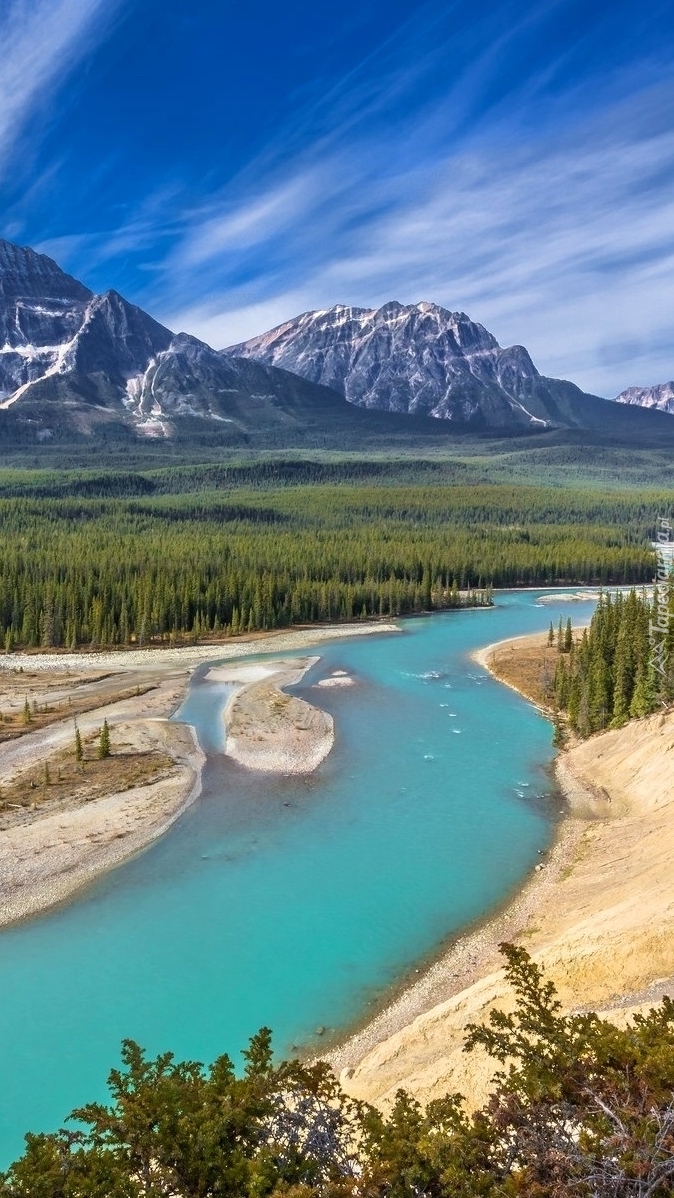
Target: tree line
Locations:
point(105, 571)
point(614, 673)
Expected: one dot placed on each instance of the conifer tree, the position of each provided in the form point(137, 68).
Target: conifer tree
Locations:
point(610, 675)
point(79, 751)
point(104, 741)
point(643, 699)
point(559, 734)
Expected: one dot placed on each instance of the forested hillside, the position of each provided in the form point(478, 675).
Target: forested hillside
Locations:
point(615, 671)
point(123, 559)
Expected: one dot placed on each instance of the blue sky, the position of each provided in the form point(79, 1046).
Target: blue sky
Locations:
point(228, 166)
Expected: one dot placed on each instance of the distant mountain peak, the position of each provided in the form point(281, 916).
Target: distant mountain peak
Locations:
point(416, 358)
point(70, 359)
point(660, 397)
point(25, 274)
point(72, 362)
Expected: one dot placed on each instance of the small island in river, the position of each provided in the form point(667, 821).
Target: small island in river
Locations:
point(268, 729)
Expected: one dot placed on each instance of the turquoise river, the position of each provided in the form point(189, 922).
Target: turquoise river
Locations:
point(290, 902)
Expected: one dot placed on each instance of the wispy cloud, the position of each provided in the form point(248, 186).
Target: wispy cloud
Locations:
point(564, 241)
point(475, 159)
point(40, 42)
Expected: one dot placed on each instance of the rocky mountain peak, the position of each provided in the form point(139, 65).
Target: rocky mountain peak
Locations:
point(71, 361)
point(416, 358)
point(660, 397)
point(26, 275)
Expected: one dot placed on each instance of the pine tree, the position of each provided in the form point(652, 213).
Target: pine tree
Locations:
point(561, 685)
point(27, 717)
point(559, 735)
point(573, 704)
point(79, 751)
point(622, 680)
point(643, 699)
point(551, 634)
point(598, 692)
point(568, 637)
point(104, 741)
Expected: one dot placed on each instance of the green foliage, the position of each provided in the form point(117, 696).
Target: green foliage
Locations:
point(583, 1107)
point(104, 741)
point(83, 569)
point(176, 1129)
point(610, 676)
point(79, 751)
point(579, 1109)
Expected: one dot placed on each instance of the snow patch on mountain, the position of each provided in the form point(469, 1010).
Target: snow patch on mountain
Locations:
point(417, 358)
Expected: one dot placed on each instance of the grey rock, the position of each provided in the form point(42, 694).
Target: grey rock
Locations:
point(90, 359)
point(420, 359)
point(660, 397)
point(72, 362)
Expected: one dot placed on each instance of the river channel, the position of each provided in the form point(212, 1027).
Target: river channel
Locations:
point(287, 902)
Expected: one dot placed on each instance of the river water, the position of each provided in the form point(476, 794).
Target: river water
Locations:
point(286, 902)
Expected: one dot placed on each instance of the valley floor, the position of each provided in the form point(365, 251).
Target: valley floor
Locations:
point(598, 915)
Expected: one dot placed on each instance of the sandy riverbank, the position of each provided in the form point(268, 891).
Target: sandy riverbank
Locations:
point(55, 852)
point(45, 858)
point(189, 657)
point(599, 916)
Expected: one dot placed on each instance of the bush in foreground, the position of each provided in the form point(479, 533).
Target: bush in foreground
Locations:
point(579, 1108)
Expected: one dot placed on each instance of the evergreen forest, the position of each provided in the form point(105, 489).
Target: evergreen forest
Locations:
point(112, 559)
point(623, 665)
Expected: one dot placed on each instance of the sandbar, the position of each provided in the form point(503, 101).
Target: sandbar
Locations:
point(270, 730)
point(45, 861)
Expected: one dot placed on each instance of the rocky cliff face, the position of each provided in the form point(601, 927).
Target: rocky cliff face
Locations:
point(420, 359)
point(51, 326)
point(71, 357)
point(72, 361)
point(660, 397)
point(41, 311)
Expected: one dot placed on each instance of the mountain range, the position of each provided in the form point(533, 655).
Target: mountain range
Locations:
point(76, 364)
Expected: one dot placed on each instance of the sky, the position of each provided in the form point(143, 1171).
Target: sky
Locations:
point(228, 166)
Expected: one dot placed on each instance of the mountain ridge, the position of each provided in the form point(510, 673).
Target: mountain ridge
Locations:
point(74, 364)
point(415, 358)
point(71, 356)
point(659, 398)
